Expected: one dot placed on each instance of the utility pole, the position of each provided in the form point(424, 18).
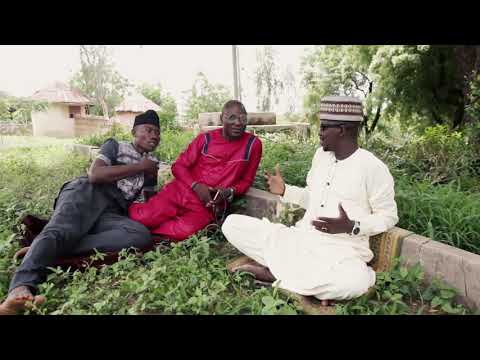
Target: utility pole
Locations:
point(236, 82)
point(239, 77)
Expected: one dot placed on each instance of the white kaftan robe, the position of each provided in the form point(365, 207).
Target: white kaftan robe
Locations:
point(307, 261)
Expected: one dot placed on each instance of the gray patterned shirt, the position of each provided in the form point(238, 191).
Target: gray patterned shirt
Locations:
point(113, 152)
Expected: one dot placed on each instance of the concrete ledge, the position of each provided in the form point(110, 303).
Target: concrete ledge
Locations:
point(458, 268)
point(86, 150)
point(302, 128)
point(263, 204)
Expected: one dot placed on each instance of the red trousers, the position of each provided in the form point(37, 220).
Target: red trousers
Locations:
point(174, 212)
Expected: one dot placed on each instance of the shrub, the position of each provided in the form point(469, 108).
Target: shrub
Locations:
point(293, 155)
point(438, 155)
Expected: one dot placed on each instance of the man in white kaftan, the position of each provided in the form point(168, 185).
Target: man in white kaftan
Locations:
point(348, 198)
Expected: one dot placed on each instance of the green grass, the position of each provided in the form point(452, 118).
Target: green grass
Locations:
point(189, 279)
point(12, 141)
point(292, 154)
point(443, 212)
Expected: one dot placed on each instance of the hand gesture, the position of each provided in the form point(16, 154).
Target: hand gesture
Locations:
point(149, 167)
point(276, 185)
point(340, 224)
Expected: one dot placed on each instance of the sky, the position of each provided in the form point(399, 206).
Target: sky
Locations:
point(27, 68)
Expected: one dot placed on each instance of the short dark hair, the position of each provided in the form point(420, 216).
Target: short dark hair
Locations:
point(232, 103)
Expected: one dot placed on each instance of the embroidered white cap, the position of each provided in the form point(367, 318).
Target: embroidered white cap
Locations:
point(341, 108)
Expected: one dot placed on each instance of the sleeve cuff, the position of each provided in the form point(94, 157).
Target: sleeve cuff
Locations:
point(105, 159)
point(287, 194)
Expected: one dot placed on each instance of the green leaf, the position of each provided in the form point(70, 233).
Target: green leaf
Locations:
point(286, 310)
point(447, 307)
point(447, 294)
point(268, 301)
point(436, 301)
point(387, 294)
point(397, 297)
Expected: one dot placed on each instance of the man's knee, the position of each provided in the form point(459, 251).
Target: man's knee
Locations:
point(229, 225)
point(356, 283)
point(138, 235)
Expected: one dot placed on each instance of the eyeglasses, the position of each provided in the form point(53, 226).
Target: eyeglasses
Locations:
point(232, 118)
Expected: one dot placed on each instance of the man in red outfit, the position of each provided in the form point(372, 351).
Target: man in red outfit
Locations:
point(215, 167)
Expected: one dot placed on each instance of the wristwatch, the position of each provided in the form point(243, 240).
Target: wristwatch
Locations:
point(356, 228)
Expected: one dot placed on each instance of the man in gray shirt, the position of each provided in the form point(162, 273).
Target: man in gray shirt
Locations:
point(90, 212)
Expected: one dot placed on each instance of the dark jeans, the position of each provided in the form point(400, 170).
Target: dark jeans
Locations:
point(86, 216)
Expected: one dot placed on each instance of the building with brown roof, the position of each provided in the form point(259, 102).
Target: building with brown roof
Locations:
point(64, 105)
point(131, 106)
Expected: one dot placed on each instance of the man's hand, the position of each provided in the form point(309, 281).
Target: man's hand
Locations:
point(218, 195)
point(203, 193)
point(338, 225)
point(147, 194)
point(149, 167)
point(275, 182)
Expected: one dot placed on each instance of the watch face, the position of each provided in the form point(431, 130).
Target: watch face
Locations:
point(356, 231)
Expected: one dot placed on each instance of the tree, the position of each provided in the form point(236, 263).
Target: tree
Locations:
point(19, 109)
point(99, 80)
point(168, 106)
point(427, 83)
point(205, 97)
point(290, 89)
point(343, 70)
point(267, 78)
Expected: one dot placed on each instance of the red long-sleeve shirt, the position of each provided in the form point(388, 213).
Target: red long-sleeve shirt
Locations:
point(212, 160)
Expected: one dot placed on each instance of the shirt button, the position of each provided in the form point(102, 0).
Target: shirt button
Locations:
point(328, 184)
point(322, 205)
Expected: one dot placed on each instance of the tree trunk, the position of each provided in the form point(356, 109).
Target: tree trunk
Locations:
point(459, 117)
point(436, 118)
point(104, 106)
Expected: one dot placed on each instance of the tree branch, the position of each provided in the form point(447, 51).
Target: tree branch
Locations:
point(376, 118)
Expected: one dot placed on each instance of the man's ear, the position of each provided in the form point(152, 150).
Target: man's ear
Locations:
point(133, 131)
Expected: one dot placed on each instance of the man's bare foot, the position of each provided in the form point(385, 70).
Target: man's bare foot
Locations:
point(21, 253)
point(327, 302)
point(19, 299)
point(260, 272)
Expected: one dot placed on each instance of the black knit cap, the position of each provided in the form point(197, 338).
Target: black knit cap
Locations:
point(148, 117)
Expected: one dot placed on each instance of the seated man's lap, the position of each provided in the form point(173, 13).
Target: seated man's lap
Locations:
point(184, 225)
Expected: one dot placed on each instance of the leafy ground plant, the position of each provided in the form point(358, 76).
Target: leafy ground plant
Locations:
point(402, 291)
